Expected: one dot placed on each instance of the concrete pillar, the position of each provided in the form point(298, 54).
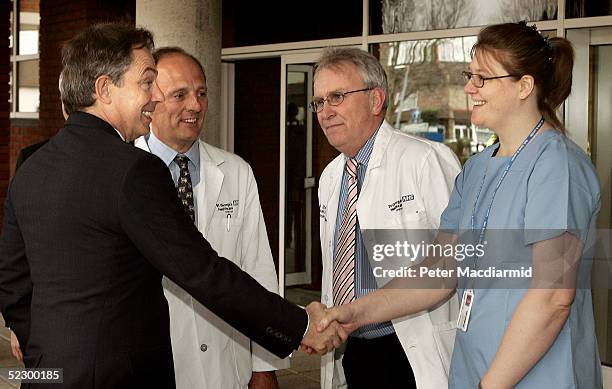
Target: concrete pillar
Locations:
point(194, 25)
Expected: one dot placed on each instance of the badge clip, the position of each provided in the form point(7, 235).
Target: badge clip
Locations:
point(466, 308)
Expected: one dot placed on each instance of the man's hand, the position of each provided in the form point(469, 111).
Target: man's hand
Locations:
point(323, 341)
point(263, 380)
point(15, 349)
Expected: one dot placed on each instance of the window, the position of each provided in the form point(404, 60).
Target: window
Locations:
point(24, 91)
point(585, 8)
point(247, 23)
point(426, 95)
point(424, 15)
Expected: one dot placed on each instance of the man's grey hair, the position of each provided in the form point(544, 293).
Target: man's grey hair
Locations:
point(61, 91)
point(372, 73)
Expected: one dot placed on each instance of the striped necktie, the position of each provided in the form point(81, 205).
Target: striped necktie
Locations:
point(184, 187)
point(344, 264)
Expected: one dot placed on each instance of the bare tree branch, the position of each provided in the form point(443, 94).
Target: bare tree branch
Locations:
point(398, 16)
point(531, 10)
point(417, 62)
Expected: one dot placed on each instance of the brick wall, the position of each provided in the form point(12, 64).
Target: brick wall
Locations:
point(60, 21)
point(24, 132)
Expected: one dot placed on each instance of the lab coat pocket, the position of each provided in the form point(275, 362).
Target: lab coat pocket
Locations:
point(241, 350)
point(226, 223)
point(223, 234)
point(408, 219)
point(444, 336)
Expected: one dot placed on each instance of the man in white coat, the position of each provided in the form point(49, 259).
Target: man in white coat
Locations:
point(208, 353)
point(402, 182)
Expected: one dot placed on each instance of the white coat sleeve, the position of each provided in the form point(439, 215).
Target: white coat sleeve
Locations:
point(437, 177)
point(256, 259)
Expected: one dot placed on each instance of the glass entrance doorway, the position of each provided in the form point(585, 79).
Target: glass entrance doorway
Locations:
point(588, 117)
point(299, 182)
point(304, 154)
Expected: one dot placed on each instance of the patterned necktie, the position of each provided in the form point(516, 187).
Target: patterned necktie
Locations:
point(344, 264)
point(184, 187)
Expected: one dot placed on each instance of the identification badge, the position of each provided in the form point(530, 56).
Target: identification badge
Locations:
point(466, 307)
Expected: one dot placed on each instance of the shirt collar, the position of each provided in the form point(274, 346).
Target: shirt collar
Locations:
point(120, 135)
point(167, 154)
point(363, 155)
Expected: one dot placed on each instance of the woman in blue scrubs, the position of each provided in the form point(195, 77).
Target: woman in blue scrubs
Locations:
point(535, 187)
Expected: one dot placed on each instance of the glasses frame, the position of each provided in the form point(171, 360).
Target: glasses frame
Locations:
point(469, 77)
point(316, 107)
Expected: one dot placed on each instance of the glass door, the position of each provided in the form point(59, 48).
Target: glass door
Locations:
point(588, 117)
point(305, 152)
point(297, 182)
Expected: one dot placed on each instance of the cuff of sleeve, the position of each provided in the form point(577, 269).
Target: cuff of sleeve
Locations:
point(307, 324)
point(263, 360)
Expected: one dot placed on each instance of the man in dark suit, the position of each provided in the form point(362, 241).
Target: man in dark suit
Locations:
point(91, 224)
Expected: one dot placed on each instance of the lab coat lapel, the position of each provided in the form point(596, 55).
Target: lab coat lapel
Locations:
point(378, 152)
point(335, 181)
point(209, 187)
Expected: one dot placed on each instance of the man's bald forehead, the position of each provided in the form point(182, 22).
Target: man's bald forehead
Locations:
point(169, 51)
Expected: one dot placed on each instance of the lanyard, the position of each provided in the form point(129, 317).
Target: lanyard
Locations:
point(499, 182)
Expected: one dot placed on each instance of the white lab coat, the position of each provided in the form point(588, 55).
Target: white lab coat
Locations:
point(207, 352)
point(400, 165)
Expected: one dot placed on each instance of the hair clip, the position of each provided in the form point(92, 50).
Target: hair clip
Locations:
point(550, 48)
point(546, 39)
point(533, 27)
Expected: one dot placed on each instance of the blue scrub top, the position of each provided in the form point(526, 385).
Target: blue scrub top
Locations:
point(552, 187)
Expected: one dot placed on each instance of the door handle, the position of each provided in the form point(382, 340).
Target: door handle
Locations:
point(310, 182)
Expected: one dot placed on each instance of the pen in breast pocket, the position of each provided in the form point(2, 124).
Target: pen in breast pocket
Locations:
point(229, 216)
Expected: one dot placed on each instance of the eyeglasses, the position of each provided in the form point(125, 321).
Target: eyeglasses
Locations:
point(333, 99)
point(479, 80)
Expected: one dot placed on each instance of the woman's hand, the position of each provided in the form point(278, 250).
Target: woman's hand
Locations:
point(345, 315)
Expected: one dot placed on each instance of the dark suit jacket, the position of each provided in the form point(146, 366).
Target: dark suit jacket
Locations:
point(99, 222)
point(24, 154)
point(27, 152)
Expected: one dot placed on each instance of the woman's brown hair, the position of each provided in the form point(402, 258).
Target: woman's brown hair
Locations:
point(522, 50)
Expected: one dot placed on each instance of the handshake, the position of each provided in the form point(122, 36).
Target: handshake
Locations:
point(327, 328)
